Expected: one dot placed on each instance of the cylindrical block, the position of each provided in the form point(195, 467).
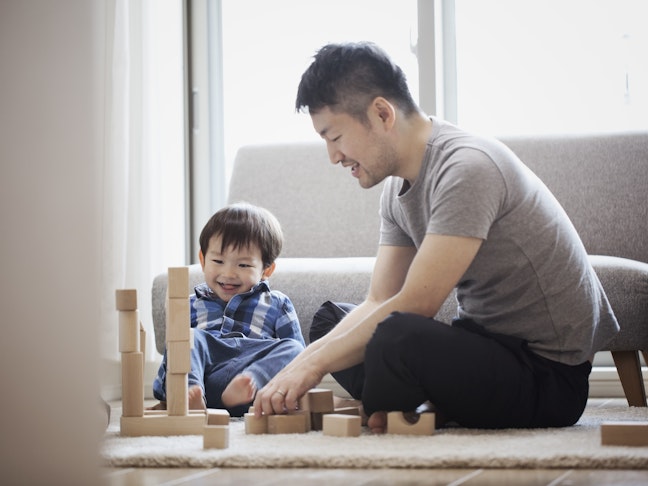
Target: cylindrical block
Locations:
point(129, 331)
point(132, 384)
point(126, 299)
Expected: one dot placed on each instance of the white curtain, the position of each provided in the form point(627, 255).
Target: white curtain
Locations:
point(143, 175)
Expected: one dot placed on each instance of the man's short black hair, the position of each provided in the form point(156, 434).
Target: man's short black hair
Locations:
point(348, 77)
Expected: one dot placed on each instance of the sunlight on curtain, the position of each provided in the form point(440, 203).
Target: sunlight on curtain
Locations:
point(143, 175)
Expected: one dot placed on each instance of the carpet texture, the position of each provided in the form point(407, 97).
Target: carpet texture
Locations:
point(573, 447)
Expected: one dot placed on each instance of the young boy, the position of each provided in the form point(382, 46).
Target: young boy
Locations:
point(244, 333)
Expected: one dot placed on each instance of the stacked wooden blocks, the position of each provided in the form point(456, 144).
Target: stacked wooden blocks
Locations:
point(131, 347)
point(313, 408)
point(177, 419)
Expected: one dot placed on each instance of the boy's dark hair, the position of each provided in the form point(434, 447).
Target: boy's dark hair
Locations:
point(348, 77)
point(241, 225)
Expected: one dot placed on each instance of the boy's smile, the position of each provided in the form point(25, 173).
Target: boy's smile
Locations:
point(231, 271)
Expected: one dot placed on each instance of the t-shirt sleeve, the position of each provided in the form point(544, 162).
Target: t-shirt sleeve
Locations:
point(391, 234)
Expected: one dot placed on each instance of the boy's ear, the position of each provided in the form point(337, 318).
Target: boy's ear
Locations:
point(269, 270)
point(201, 257)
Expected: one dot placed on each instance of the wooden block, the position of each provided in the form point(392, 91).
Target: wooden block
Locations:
point(255, 425)
point(192, 424)
point(624, 433)
point(217, 416)
point(287, 424)
point(348, 411)
point(129, 332)
point(316, 420)
point(178, 357)
point(126, 299)
point(177, 394)
point(341, 425)
point(178, 283)
point(307, 417)
point(142, 340)
point(319, 400)
point(398, 424)
point(132, 384)
point(216, 437)
point(178, 326)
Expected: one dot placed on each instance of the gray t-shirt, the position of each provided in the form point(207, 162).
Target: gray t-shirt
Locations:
point(531, 278)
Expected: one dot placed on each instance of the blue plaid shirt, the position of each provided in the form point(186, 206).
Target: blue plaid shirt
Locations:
point(260, 313)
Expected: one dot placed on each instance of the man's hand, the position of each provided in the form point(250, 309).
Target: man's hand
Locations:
point(283, 392)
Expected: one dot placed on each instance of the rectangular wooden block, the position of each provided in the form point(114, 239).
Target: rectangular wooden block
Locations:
point(178, 283)
point(216, 437)
point(129, 331)
point(178, 357)
point(178, 326)
point(192, 424)
point(217, 416)
point(255, 425)
point(317, 400)
point(132, 384)
point(398, 424)
point(624, 433)
point(341, 425)
point(126, 299)
point(287, 424)
point(177, 394)
point(347, 411)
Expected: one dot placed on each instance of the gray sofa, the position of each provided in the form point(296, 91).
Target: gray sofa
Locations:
point(331, 226)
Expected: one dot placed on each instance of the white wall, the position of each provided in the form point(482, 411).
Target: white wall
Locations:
point(50, 146)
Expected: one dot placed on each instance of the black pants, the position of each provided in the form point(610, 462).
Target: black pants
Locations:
point(473, 377)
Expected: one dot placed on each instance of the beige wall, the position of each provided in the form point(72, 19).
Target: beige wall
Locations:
point(50, 146)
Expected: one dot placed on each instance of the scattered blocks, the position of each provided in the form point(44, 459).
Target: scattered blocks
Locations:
point(340, 425)
point(624, 433)
point(398, 424)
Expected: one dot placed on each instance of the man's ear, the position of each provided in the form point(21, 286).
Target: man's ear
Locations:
point(201, 257)
point(269, 270)
point(385, 111)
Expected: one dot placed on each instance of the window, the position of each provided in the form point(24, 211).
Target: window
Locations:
point(551, 66)
point(268, 45)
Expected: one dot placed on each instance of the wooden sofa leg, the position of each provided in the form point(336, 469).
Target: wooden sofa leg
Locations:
point(629, 368)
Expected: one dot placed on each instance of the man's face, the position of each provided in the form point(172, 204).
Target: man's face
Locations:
point(362, 147)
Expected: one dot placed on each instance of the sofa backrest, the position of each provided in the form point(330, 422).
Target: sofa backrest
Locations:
point(601, 181)
point(322, 209)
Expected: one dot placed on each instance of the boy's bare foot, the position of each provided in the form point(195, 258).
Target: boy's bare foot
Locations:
point(196, 400)
point(158, 406)
point(377, 422)
point(239, 391)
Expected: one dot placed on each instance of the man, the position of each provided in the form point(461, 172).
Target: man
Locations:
point(458, 211)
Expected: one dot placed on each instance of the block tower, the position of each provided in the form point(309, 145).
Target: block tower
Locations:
point(177, 419)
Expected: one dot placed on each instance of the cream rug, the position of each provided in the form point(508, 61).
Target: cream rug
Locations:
point(573, 447)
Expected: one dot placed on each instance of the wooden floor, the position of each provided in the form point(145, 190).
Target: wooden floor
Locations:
point(352, 477)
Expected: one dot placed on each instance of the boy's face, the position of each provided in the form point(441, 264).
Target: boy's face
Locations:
point(230, 271)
